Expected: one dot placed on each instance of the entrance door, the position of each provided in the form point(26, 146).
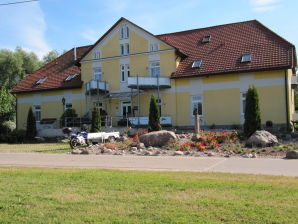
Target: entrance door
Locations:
point(126, 109)
point(197, 107)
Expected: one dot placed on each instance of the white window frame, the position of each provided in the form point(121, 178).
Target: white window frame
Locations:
point(154, 47)
point(246, 58)
point(154, 66)
point(124, 72)
point(96, 55)
point(197, 63)
point(124, 32)
point(97, 74)
point(37, 113)
point(70, 77)
point(124, 49)
point(126, 104)
point(242, 106)
point(41, 80)
point(195, 100)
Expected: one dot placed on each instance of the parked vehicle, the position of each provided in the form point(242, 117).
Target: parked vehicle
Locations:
point(85, 138)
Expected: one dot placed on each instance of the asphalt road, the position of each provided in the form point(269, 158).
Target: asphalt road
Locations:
point(164, 163)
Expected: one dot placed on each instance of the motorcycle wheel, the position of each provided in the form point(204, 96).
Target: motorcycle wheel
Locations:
point(74, 143)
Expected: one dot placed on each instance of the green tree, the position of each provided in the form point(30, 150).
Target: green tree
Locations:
point(252, 112)
point(31, 125)
point(154, 116)
point(52, 55)
point(7, 104)
point(96, 122)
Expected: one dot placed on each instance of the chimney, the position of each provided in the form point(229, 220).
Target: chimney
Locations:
point(75, 53)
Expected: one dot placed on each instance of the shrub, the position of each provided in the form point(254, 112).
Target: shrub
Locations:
point(154, 116)
point(124, 122)
point(31, 125)
point(269, 124)
point(17, 136)
point(95, 123)
point(68, 114)
point(7, 127)
point(252, 112)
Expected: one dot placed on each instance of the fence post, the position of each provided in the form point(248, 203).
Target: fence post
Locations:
point(197, 123)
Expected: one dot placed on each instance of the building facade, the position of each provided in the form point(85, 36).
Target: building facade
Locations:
point(203, 70)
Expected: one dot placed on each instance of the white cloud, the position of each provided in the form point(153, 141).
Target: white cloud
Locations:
point(25, 25)
point(264, 5)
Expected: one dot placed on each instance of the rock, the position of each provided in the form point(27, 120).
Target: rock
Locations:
point(150, 148)
point(292, 154)
point(186, 153)
point(249, 155)
point(262, 138)
point(195, 137)
point(141, 145)
point(227, 156)
point(76, 151)
point(85, 151)
point(156, 153)
point(211, 154)
point(178, 153)
point(254, 155)
point(157, 138)
point(107, 151)
point(133, 149)
point(147, 153)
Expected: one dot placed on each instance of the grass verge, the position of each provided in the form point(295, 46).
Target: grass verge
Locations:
point(44, 195)
point(37, 147)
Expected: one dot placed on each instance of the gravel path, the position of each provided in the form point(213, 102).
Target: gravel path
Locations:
point(165, 163)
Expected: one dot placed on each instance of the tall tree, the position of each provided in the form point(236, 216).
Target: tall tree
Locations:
point(52, 55)
point(7, 104)
point(96, 122)
point(31, 125)
point(154, 116)
point(252, 112)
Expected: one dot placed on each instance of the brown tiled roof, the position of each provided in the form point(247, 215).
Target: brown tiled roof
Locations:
point(56, 72)
point(228, 42)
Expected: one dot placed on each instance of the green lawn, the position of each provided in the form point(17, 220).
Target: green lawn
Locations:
point(38, 147)
point(42, 195)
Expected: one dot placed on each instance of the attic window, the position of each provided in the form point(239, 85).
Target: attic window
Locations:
point(206, 39)
point(41, 80)
point(197, 64)
point(246, 58)
point(70, 77)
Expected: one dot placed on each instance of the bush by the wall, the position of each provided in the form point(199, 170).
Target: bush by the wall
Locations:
point(252, 112)
point(67, 117)
point(7, 127)
point(154, 116)
point(96, 122)
point(31, 125)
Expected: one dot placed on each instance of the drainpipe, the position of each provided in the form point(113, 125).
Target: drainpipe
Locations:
point(287, 100)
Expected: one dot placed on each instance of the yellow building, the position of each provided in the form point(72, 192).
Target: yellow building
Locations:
point(206, 70)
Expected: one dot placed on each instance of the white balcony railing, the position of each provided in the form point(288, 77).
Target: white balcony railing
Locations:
point(294, 80)
point(149, 82)
point(94, 85)
point(164, 120)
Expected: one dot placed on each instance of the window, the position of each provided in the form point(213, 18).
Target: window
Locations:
point(196, 104)
point(155, 69)
point(124, 32)
point(37, 113)
point(97, 74)
point(96, 55)
point(124, 49)
point(124, 72)
point(246, 58)
point(70, 77)
point(243, 103)
point(41, 80)
point(154, 47)
point(197, 64)
point(206, 39)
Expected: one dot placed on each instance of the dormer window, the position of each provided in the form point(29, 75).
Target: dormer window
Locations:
point(70, 77)
point(197, 63)
point(246, 58)
point(96, 55)
point(41, 80)
point(206, 39)
point(124, 32)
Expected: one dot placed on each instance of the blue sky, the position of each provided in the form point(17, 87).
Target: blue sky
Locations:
point(62, 24)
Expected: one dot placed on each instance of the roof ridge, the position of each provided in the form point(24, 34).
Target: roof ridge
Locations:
point(208, 27)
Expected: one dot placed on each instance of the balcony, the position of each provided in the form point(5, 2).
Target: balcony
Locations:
point(164, 120)
point(149, 82)
point(96, 86)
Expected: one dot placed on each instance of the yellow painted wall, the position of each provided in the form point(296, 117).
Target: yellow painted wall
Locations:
point(182, 109)
point(138, 44)
point(269, 74)
point(139, 65)
point(221, 107)
point(167, 63)
point(51, 109)
point(111, 73)
point(80, 106)
point(163, 46)
point(272, 103)
point(221, 78)
point(52, 93)
point(87, 72)
point(291, 106)
point(22, 112)
point(77, 91)
point(24, 95)
point(112, 47)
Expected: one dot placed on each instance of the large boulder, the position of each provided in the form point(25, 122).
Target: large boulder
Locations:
point(262, 138)
point(292, 154)
point(157, 138)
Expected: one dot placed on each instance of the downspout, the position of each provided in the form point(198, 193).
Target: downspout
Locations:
point(287, 100)
point(16, 112)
